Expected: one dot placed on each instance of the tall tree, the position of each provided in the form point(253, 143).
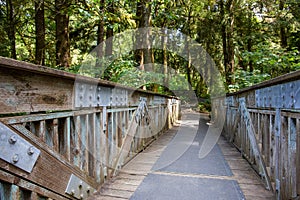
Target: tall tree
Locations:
point(11, 27)
point(63, 57)
point(230, 41)
point(282, 21)
point(100, 30)
point(39, 32)
point(110, 28)
point(143, 13)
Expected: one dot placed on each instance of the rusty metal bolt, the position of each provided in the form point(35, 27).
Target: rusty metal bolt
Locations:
point(15, 158)
point(72, 192)
point(30, 151)
point(12, 139)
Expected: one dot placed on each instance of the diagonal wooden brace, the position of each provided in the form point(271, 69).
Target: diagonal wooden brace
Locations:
point(245, 115)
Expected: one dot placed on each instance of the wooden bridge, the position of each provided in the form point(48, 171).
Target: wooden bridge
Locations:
point(65, 136)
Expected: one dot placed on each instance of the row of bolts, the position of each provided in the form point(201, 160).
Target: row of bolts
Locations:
point(15, 158)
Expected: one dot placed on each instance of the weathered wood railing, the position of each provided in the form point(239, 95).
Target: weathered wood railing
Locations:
point(74, 125)
point(269, 112)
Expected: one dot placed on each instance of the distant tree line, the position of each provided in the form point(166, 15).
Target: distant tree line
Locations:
point(250, 41)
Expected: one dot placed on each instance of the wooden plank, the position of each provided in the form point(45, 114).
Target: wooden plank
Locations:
point(42, 130)
point(91, 144)
point(292, 158)
point(235, 125)
point(272, 147)
point(67, 135)
point(116, 193)
point(107, 198)
point(298, 157)
point(97, 144)
point(284, 159)
point(277, 152)
point(76, 141)
point(84, 143)
point(55, 135)
point(102, 152)
point(28, 93)
point(49, 116)
point(105, 125)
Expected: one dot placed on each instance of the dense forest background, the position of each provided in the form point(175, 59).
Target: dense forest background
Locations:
point(249, 40)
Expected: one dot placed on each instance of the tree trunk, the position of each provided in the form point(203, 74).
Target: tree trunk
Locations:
point(146, 24)
point(109, 31)
point(39, 33)
point(63, 58)
point(11, 29)
point(230, 45)
point(165, 60)
point(283, 32)
point(100, 31)
point(138, 54)
point(144, 20)
point(224, 40)
point(100, 40)
point(249, 42)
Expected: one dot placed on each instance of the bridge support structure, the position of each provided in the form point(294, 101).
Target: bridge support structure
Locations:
point(72, 129)
point(271, 112)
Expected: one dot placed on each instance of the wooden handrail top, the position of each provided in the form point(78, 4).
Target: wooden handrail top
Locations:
point(38, 69)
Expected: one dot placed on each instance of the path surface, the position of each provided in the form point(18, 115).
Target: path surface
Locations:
point(170, 168)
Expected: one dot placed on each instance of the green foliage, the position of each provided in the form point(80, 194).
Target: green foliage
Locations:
point(205, 106)
point(273, 60)
point(245, 79)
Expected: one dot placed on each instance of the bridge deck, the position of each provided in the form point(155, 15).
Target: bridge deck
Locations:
point(222, 174)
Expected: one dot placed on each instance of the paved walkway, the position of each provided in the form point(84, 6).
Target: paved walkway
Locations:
point(170, 168)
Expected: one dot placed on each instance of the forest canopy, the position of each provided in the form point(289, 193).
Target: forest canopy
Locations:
point(249, 40)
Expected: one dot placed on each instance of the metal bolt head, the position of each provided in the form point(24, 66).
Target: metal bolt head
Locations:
point(72, 192)
point(12, 139)
point(15, 158)
point(80, 184)
point(30, 151)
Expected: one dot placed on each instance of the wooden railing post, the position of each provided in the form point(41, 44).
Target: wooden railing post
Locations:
point(277, 151)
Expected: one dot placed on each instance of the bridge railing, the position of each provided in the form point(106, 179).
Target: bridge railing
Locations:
point(263, 122)
point(62, 135)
